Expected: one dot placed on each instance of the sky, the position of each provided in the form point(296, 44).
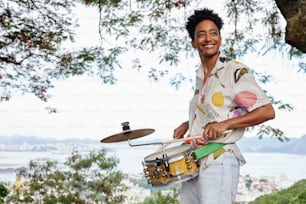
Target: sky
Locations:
point(88, 109)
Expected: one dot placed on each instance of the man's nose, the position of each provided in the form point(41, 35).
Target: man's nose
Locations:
point(208, 37)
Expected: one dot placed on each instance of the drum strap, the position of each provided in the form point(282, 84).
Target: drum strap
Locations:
point(208, 159)
point(213, 147)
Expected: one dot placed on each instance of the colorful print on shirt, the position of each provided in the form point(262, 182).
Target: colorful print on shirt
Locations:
point(230, 91)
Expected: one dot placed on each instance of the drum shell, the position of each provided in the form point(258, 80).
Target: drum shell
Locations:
point(181, 166)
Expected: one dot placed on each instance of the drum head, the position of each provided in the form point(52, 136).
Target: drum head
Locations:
point(171, 152)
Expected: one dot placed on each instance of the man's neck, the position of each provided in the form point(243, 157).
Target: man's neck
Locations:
point(208, 63)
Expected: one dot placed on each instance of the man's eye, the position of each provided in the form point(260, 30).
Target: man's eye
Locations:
point(201, 35)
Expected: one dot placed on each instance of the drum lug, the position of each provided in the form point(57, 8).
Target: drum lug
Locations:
point(146, 172)
point(188, 163)
point(149, 181)
point(157, 172)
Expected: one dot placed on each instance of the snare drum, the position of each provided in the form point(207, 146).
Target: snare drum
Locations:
point(169, 166)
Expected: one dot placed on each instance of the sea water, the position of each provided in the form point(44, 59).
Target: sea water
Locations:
point(131, 159)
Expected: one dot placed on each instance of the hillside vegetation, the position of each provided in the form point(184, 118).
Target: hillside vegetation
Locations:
point(296, 194)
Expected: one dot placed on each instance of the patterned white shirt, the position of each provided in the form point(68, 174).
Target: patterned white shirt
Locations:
point(230, 91)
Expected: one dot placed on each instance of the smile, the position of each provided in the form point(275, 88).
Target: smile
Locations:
point(209, 46)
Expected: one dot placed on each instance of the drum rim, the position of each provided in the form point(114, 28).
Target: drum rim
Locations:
point(188, 147)
point(170, 160)
point(176, 180)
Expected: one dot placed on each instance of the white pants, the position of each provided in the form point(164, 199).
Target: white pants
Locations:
point(217, 184)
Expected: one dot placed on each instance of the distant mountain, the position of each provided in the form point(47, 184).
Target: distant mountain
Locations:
point(270, 145)
point(246, 144)
point(40, 144)
point(31, 140)
point(298, 147)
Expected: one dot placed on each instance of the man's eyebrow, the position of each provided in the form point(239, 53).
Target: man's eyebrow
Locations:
point(203, 31)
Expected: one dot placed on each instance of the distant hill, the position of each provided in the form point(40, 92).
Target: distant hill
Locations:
point(246, 144)
point(31, 140)
point(294, 194)
point(270, 145)
point(40, 144)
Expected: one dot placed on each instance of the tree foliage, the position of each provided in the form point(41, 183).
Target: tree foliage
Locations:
point(296, 194)
point(147, 35)
point(31, 46)
point(91, 178)
point(3, 192)
point(158, 197)
point(34, 33)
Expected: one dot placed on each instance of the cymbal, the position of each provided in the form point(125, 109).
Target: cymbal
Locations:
point(127, 135)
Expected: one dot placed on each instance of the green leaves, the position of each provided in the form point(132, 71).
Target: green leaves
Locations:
point(267, 130)
point(158, 198)
point(33, 35)
point(296, 194)
point(82, 178)
point(4, 191)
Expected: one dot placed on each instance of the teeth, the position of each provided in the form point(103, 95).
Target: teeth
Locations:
point(209, 46)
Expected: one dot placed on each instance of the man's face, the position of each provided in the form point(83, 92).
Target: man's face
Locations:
point(207, 39)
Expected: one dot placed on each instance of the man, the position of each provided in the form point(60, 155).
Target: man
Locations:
point(227, 98)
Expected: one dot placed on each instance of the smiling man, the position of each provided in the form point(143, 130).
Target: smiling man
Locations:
point(227, 99)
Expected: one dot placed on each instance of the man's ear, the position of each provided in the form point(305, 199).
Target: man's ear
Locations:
point(193, 44)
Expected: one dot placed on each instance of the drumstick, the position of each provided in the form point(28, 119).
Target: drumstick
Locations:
point(187, 138)
point(182, 139)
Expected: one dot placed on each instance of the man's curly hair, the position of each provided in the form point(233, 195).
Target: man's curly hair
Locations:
point(200, 15)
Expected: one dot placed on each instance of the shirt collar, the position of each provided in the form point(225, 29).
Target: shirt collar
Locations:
point(221, 59)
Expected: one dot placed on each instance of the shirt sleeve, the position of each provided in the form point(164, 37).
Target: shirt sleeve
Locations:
point(247, 93)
